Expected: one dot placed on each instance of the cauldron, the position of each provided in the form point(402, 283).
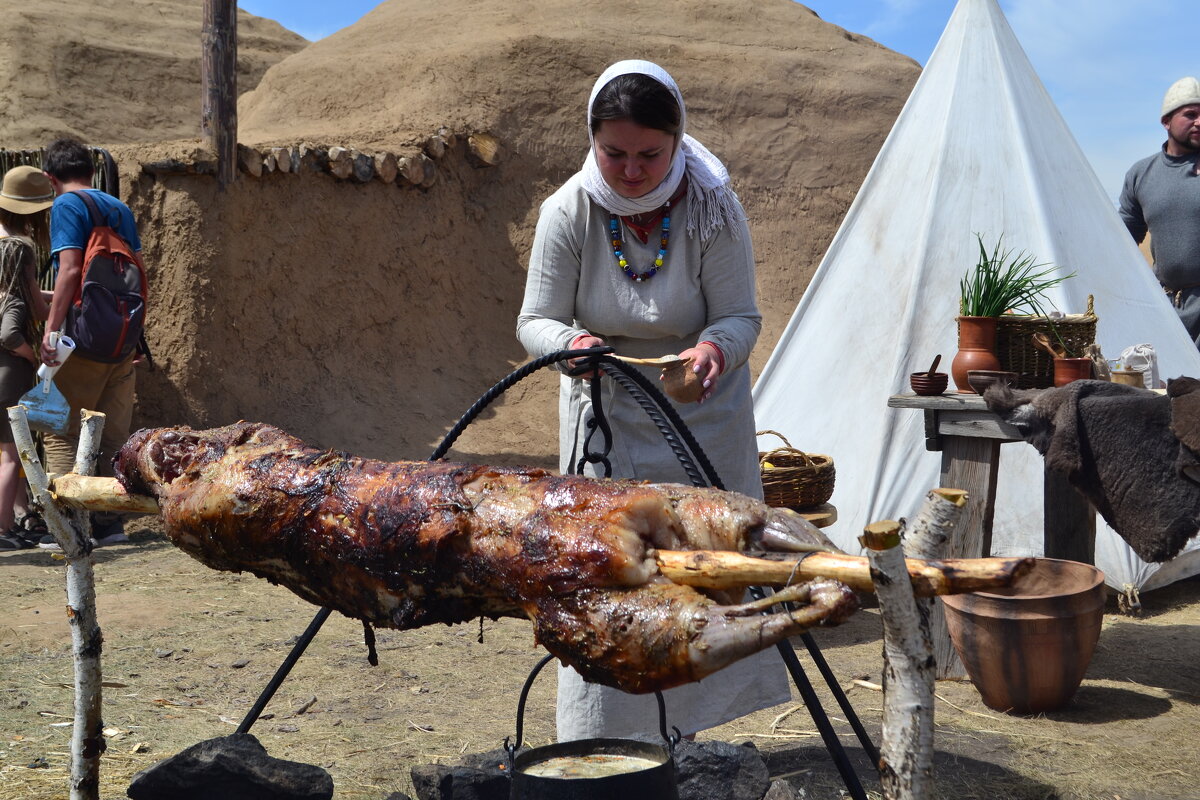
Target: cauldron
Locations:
point(642, 769)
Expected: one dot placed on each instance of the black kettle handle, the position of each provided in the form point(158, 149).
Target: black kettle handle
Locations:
point(511, 746)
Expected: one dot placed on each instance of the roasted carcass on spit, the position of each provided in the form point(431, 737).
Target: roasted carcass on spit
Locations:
point(406, 544)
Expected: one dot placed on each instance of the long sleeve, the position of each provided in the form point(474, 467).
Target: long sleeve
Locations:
point(1130, 207)
point(727, 279)
point(547, 319)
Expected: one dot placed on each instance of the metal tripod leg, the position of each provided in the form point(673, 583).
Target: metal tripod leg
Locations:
point(281, 674)
point(828, 735)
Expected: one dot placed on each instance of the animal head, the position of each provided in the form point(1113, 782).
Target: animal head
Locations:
point(1030, 411)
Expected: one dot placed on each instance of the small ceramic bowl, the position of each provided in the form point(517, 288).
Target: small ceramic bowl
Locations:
point(981, 379)
point(925, 384)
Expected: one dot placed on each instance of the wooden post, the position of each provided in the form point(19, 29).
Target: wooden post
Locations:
point(218, 74)
point(72, 532)
point(906, 754)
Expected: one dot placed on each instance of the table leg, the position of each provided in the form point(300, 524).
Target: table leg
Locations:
point(971, 465)
point(1069, 521)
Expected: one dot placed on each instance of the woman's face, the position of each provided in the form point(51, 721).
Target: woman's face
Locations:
point(633, 159)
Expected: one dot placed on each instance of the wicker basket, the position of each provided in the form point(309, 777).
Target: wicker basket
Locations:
point(1034, 367)
point(795, 478)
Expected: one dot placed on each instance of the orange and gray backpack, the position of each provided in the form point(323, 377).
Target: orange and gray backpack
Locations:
point(109, 310)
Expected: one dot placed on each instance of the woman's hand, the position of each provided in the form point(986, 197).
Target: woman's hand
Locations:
point(583, 342)
point(706, 363)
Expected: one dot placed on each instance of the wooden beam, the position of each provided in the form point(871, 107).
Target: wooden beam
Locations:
point(218, 74)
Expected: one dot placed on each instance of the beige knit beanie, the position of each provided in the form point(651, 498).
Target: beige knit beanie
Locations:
point(1183, 92)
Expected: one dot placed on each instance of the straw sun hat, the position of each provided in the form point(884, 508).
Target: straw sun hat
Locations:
point(26, 190)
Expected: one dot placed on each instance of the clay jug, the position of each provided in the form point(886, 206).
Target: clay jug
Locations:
point(1026, 648)
point(976, 349)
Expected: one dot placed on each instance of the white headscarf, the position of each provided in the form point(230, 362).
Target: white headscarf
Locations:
point(711, 200)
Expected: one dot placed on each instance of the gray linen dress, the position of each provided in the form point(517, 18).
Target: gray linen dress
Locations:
point(704, 292)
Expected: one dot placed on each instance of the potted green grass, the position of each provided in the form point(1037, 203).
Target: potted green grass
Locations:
point(1001, 280)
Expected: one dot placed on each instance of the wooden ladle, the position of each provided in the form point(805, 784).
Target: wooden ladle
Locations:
point(660, 361)
point(933, 367)
point(1042, 342)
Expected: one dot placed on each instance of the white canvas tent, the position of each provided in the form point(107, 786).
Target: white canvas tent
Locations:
point(978, 147)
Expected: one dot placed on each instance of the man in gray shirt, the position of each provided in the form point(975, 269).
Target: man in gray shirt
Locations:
point(1162, 195)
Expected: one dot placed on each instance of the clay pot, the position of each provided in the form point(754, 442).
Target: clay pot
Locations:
point(976, 346)
point(1026, 648)
point(1067, 370)
point(680, 383)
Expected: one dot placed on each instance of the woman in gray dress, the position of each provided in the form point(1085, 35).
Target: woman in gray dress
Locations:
point(646, 249)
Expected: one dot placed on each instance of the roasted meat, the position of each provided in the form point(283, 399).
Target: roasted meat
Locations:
point(406, 544)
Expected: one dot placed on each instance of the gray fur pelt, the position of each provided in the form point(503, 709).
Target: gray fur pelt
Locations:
point(1131, 452)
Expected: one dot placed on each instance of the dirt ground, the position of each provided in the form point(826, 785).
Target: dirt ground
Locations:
point(188, 649)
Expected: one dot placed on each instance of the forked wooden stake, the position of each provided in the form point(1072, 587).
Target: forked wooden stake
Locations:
point(906, 751)
point(72, 531)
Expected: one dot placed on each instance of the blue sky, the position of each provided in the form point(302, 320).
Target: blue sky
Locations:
point(1106, 63)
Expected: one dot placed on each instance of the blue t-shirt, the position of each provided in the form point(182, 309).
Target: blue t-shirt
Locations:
point(71, 222)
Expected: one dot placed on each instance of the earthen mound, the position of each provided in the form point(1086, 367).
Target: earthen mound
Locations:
point(111, 73)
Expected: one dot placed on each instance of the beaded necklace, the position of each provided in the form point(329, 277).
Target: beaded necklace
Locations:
point(614, 226)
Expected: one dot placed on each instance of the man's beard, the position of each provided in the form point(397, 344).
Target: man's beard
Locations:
point(1189, 142)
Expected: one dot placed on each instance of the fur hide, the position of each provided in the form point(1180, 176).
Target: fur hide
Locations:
point(1131, 452)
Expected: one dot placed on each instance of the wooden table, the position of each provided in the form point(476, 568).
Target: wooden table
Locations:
point(969, 436)
point(822, 516)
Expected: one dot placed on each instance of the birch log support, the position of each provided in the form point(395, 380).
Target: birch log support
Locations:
point(710, 569)
point(341, 162)
point(269, 164)
point(929, 537)
point(73, 534)
point(484, 150)
point(218, 71)
point(385, 167)
point(906, 751)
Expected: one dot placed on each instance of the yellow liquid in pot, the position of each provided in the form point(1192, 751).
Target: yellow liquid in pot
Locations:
point(593, 766)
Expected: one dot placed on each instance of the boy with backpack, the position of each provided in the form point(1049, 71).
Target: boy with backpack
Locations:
point(99, 301)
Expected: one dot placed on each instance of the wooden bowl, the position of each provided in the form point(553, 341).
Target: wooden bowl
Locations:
point(926, 385)
point(680, 383)
point(981, 379)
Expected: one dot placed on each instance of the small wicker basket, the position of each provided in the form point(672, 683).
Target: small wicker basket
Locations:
point(1034, 367)
point(794, 478)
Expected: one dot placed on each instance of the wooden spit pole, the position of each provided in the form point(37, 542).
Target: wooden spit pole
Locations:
point(708, 569)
